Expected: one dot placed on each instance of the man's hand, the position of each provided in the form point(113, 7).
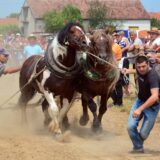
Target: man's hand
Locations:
point(136, 113)
point(125, 71)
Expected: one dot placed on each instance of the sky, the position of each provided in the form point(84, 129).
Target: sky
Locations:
point(14, 6)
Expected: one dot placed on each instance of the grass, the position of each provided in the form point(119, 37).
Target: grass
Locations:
point(127, 100)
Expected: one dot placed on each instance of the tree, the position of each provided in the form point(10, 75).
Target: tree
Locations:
point(5, 29)
point(71, 14)
point(97, 14)
point(53, 21)
point(56, 20)
point(155, 23)
point(13, 15)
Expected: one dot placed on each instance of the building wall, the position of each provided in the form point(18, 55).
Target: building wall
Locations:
point(26, 20)
point(31, 24)
point(39, 26)
point(134, 24)
point(127, 24)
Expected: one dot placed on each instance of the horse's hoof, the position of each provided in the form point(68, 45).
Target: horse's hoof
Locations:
point(51, 127)
point(96, 126)
point(58, 132)
point(84, 120)
point(97, 129)
point(54, 127)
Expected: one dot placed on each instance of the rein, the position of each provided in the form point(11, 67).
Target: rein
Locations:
point(100, 59)
point(106, 62)
point(92, 73)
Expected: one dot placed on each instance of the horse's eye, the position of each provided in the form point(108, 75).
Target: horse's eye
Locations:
point(72, 32)
point(75, 37)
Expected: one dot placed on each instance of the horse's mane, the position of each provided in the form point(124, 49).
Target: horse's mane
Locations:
point(64, 32)
point(57, 48)
point(58, 44)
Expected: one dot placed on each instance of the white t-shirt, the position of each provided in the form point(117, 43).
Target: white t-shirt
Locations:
point(156, 41)
point(137, 41)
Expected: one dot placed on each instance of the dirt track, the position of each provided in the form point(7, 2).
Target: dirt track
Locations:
point(36, 143)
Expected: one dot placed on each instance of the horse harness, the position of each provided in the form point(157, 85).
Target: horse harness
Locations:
point(60, 70)
point(92, 74)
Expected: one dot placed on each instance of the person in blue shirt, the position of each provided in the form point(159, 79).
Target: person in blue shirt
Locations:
point(123, 81)
point(32, 48)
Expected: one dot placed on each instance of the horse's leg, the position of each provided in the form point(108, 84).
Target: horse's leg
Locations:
point(93, 108)
point(54, 113)
point(103, 107)
point(63, 119)
point(85, 117)
point(65, 123)
point(47, 118)
point(26, 95)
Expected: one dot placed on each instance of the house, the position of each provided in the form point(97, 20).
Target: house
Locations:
point(8, 21)
point(155, 15)
point(127, 14)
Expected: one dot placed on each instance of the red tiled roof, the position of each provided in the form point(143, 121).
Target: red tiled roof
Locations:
point(155, 15)
point(117, 9)
point(9, 21)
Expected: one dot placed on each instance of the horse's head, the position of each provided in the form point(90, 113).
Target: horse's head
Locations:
point(73, 35)
point(101, 44)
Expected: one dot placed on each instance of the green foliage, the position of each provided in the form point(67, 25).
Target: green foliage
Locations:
point(53, 21)
point(5, 29)
point(13, 15)
point(97, 14)
point(71, 14)
point(155, 23)
point(56, 20)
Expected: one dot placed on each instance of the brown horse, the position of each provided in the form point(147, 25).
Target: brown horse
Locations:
point(99, 78)
point(55, 75)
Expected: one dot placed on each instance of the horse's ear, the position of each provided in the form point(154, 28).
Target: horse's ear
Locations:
point(107, 30)
point(90, 31)
point(92, 40)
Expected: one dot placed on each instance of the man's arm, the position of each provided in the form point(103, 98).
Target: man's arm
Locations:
point(131, 48)
point(128, 71)
point(11, 70)
point(148, 103)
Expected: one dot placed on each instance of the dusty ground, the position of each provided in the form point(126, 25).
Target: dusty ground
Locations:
point(36, 143)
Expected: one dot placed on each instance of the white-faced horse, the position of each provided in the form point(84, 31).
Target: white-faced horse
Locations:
point(57, 75)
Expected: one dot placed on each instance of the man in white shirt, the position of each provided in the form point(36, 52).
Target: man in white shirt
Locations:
point(154, 42)
point(134, 40)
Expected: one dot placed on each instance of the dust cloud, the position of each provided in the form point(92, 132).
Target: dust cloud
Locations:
point(35, 142)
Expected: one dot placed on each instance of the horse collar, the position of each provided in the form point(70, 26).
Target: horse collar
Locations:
point(59, 69)
point(94, 75)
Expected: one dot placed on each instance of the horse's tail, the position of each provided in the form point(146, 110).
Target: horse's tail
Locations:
point(28, 69)
point(27, 89)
